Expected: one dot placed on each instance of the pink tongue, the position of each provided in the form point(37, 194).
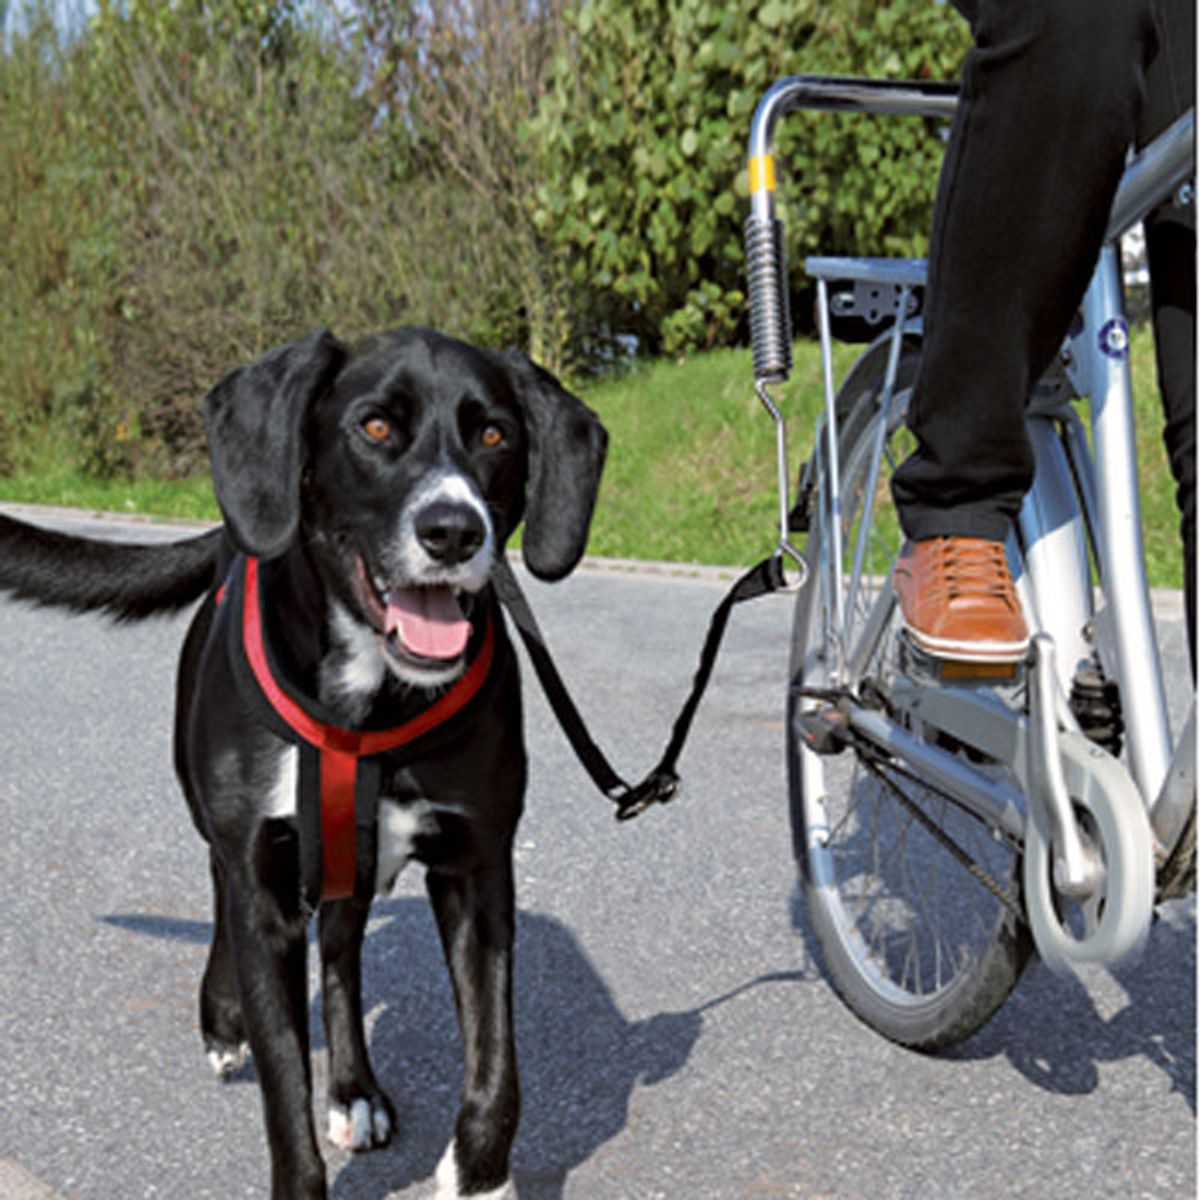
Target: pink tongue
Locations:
point(428, 621)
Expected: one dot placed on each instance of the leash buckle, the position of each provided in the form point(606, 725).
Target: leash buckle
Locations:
point(659, 787)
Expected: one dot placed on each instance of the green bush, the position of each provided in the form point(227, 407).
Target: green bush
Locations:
point(219, 128)
point(185, 183)
point(57, 246)
point(190, 183)
point(642, 138)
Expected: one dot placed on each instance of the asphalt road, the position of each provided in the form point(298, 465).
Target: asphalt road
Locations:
point(676, 1038)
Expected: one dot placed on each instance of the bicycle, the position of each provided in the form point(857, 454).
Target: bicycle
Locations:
point(949, 827)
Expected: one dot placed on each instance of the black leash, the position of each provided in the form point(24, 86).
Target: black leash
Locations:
point(661, 784)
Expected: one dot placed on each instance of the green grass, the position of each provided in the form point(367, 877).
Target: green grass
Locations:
point(691, 467)
point(690, 474)
point(64, 486)
point(1160, 517)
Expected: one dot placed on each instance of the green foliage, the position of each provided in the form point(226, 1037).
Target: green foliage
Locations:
point(56, 247)
point(457, 83)
point(133, 222)
point(643, 134)
point(217, 120)
point(184, 183)
point(189, 183)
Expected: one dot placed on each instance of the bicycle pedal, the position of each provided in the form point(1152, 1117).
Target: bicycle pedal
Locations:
point(824, 730)
point(928, 667)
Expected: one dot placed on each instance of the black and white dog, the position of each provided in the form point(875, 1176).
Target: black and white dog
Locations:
point(348, 698)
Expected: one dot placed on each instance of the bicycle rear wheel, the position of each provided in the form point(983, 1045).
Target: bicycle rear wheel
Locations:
point(913, 902)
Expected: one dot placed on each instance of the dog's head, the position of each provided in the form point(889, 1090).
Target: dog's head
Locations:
point(404, 464)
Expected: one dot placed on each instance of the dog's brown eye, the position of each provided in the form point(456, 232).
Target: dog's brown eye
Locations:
point(491, 436)
point(377, 429)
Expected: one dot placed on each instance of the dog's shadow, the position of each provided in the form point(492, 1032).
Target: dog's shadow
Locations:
point(580, 1059)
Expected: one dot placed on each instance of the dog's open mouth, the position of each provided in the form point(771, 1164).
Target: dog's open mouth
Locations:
point(426, 622)
point(422, 626)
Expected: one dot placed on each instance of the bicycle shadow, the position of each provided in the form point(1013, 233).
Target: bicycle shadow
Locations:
point(1052, 1030)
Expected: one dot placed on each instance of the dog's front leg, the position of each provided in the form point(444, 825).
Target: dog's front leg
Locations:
point(475, 919)
point(270, 946)
point(360, 1115)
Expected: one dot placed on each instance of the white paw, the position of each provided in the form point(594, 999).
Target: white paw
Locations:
point(446, 1180)
point(227, 1060)
point(362, 1126)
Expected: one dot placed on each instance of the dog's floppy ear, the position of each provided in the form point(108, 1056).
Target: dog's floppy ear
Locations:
point(567, 444)
point(254, 419)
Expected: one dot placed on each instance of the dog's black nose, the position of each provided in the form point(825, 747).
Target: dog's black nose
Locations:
point(450, 533)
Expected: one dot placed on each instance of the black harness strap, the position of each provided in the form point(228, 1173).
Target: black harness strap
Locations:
point(661, 784)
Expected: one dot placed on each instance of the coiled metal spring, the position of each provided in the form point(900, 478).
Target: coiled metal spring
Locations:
point(770, 310)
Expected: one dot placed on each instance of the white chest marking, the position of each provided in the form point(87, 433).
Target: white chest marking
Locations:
point(399, 824)
point(353, 672)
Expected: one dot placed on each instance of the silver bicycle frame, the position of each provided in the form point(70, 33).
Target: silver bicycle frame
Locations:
point(1124, 629)
point(1097, 361)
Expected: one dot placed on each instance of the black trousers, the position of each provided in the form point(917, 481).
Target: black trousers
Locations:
point(1054, 93)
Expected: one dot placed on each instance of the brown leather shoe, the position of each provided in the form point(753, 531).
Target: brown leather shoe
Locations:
point(958, 601)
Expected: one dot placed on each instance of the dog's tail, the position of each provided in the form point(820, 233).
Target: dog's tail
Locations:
point(125, 580)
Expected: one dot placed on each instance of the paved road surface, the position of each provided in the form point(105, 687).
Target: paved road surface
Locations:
point(676, 1038)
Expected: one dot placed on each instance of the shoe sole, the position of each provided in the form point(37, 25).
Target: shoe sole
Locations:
point(951, 650)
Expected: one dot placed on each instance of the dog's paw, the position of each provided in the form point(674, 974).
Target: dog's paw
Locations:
point(447, 1187)
point(363, 1124)
point(226, 1059)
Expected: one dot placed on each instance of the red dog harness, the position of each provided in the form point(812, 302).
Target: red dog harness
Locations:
point(338, 791)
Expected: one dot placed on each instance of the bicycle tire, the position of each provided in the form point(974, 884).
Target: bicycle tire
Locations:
point(913, 944)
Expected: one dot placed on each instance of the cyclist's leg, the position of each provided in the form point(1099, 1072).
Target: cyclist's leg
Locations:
point(1051, 93)
point(1171, 250)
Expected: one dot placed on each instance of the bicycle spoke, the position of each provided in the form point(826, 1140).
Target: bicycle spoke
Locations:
point(892, 855)
point(936, 830)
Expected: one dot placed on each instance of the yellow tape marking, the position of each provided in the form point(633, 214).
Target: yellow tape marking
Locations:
point(762, 173)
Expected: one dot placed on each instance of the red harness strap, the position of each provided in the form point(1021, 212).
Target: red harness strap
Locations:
point(340, 749)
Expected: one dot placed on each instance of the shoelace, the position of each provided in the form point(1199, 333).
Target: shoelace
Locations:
point(975, 568)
